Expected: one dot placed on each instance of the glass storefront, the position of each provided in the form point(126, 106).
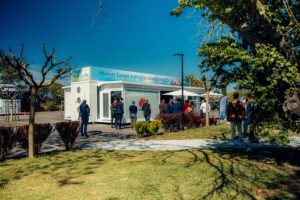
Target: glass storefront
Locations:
point(139, 98)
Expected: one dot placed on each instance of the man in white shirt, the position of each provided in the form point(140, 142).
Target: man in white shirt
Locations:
point(203, 109)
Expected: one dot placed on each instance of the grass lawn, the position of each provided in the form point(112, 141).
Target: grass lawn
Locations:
point(219, 132)
point(209, 174)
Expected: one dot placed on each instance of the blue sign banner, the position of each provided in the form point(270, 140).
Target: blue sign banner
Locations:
point(223, 107)
point(107, 75)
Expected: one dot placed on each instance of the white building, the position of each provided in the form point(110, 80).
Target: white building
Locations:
point(99, 86)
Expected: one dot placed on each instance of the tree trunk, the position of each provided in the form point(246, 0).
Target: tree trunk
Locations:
point(31, 122)
point(207, 108)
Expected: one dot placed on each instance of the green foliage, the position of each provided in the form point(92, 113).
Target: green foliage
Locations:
point(273, 133)
point(153, 127)
point(144, 129)
point(51, 105)
point(50, 97)
point(261, 54)
point(193, 81)
point(141, 128)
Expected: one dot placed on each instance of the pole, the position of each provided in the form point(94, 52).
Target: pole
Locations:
point(182, 95)
point(182, 88)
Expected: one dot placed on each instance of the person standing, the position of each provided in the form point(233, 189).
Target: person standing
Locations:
point(113, 109)
point(119, 114)
point(235, 115)
point(133, 113)
point(147, 110)
point(203, 109)
point(190, 107)
point(161, 106)
point(185, 106)
point(84, 110)
point(176, 107)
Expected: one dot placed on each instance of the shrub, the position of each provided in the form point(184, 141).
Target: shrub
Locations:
point(68, 131)
point(212, 121)
point(170, 122)
point(153, 127)
point(193, 121)
point(273, 133)
point(41, 133)
point(144, 129)
point(7, 141)
point(141, 128)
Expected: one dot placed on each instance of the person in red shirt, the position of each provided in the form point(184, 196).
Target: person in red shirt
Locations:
point(185, 106)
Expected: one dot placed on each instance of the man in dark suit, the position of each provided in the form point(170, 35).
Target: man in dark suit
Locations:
point(147, 111)
point(84, 110)
point(119, 113)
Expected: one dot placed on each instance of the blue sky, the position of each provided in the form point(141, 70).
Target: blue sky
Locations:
point(135, 35)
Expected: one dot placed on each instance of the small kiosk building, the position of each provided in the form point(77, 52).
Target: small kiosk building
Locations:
point(99, 86)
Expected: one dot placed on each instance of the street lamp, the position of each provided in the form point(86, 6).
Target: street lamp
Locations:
point(182, 97)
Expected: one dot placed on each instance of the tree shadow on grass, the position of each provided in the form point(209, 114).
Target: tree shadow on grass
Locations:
point(247, 175)
point(237, 174)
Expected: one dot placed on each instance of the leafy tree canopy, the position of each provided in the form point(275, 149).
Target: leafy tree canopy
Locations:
point(261, 51)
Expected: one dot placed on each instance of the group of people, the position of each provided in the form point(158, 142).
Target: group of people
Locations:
point(239, 116)
point(174, 106)
point(171, 106)
point(117, 111)
point(238, 113)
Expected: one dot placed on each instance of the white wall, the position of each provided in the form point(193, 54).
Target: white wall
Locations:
point(87, 91)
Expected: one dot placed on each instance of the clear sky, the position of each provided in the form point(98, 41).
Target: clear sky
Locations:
point(135, 35)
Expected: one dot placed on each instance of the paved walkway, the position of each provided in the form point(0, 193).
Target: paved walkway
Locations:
point(171, 145)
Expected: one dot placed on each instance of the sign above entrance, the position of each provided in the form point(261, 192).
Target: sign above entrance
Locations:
point(106, 74)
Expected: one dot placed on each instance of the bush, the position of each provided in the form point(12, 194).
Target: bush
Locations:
point(144, 129)
point(170, 122)
point(141, 128)
point(7, 141)
point(273, 133)
point(68, 131)
point(153, 127)
point(41, 133)
point(193, 121)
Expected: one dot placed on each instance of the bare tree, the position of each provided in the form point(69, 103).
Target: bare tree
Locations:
point(19, 62)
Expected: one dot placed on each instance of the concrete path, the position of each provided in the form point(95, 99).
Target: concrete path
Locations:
point(172, 145)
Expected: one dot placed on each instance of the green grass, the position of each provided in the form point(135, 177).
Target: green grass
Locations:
point(218, 132)
point(92, 174)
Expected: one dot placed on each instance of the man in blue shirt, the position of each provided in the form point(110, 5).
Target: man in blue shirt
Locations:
point(119, 113)
point(133, 112)
point(84, 116)
point(177, 107)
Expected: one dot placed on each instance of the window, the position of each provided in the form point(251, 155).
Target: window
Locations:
point(105, 105)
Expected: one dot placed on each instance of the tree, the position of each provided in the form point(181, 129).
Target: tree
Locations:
point(193, 81)
point(261, 51)
point(19, 63)
point(51, 96)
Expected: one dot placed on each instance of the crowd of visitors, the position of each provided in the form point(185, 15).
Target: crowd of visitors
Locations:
point(238, 113)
